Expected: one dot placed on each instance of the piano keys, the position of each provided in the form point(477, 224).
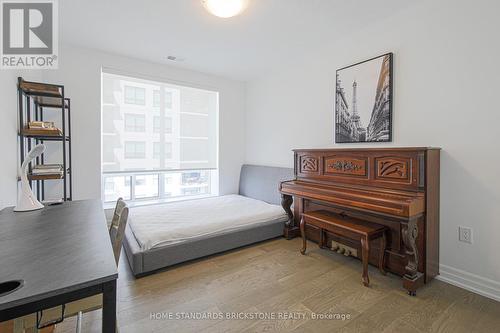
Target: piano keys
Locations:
point(394, 187)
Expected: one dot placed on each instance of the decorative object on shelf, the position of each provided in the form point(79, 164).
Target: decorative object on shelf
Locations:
point(363, 101)
point(38, 101)
point(26, 200)
point(225, 8)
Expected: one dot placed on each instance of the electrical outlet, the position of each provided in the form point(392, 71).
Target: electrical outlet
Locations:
point(465, 234)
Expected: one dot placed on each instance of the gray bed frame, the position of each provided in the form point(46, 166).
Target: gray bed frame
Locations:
point(257, 182)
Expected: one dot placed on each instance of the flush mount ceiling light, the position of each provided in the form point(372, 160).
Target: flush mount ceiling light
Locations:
point(225, 8)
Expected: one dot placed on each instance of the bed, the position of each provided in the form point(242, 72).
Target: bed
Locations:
point(159, 236)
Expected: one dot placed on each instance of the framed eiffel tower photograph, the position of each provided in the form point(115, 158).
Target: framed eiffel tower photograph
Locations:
point(363, 101)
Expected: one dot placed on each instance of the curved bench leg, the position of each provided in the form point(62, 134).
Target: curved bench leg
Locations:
point(303, 232)
point(365, 252)
point(381, 259)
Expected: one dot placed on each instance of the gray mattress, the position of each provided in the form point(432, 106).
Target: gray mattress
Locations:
point(257, 182)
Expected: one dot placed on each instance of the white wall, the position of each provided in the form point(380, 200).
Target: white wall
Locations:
point(80, 72)
point(447, 81)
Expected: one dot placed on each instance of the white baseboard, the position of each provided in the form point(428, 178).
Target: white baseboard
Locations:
point(472, 282)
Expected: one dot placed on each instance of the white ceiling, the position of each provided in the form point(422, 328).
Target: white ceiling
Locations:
point(268, 34)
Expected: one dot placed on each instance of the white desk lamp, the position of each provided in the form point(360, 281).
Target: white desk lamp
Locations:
point(26, 200)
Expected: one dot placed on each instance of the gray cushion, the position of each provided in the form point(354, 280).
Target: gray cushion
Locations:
point(262, 182)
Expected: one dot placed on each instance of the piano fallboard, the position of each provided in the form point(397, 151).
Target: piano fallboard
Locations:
point(396, 203)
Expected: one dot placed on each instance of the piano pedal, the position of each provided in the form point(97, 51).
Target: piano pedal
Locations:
point(344, 249)
point(412, 293)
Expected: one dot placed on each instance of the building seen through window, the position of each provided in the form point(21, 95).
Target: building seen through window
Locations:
point(159, 140)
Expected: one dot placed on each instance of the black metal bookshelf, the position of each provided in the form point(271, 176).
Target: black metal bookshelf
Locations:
point(34, 100)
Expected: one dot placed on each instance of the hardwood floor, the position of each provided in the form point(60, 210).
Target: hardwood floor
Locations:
point(273, 277)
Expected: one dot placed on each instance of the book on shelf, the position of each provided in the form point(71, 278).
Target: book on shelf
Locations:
point(41, 125)
point(46, 172)
point(47, 169)
point(51, 173)
point(47, 166)
point(42, 131)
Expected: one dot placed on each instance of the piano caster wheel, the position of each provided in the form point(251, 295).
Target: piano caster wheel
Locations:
point(412, 293)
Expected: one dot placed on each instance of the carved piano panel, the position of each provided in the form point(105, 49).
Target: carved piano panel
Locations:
point(308, 164)
point(403, 169)
point(346, 166)
point(395, 169)
point(394, 187)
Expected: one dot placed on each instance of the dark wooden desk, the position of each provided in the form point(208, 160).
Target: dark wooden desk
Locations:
point(63, 253)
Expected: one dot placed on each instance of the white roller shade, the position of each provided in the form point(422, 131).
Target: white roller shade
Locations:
point(149, 125)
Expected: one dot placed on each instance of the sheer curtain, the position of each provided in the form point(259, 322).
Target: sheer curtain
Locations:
point(159, 139)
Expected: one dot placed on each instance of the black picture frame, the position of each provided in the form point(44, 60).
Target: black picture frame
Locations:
point(348, 125)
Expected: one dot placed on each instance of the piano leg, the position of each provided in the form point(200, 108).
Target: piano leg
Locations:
point(291, 230)
point(412, 279)
point(303, 232)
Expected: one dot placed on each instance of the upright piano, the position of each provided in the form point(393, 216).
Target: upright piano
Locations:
point(394, 187)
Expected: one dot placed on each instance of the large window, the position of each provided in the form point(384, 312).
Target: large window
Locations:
point(159, 140)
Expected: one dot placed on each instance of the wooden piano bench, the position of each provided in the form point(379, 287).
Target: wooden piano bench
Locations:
point(351, 228)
